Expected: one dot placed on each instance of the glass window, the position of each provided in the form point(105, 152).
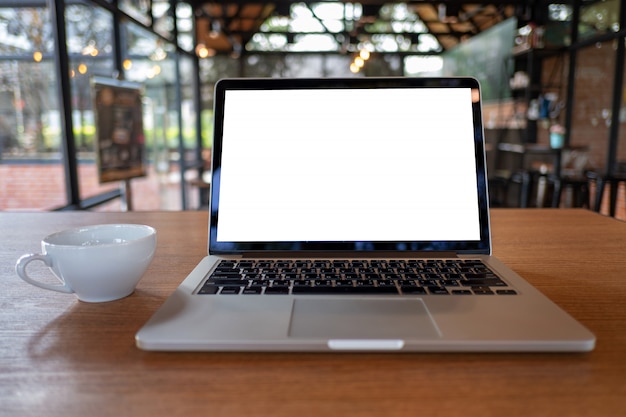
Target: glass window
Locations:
point(273, 65)
point(31, 171)
point(185, 26)
point(599, 17)
point(138, 9)
point(559, 26)
point(89, 32)
point(337, 65)
point(211, 70)
point(324, 26)
point(423, 66)
point(163, 17)
point(152, 62)
point(188, 113)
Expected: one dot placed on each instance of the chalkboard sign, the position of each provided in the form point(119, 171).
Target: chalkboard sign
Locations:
point(120, 139)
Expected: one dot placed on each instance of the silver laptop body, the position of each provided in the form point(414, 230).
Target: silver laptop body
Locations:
point(352, 215)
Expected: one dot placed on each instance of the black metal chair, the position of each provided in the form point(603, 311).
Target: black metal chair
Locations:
point(613, 181)
point(577, 185)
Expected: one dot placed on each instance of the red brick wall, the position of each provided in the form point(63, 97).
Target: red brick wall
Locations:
point(31, 187)
point(42, 187)
point(592, 102)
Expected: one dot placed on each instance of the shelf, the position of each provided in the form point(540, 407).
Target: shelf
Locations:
point(520, 52)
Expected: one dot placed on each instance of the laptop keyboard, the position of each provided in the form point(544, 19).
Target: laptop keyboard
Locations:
point(401, 277)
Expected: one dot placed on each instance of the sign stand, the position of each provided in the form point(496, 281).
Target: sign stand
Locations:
point(127, 195)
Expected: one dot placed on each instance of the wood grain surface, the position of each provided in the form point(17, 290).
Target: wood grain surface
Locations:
point(62, 357)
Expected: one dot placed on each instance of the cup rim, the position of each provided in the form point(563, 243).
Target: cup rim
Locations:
point(49, 240)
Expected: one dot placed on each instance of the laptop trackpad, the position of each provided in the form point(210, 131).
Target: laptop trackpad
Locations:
point(361, 318)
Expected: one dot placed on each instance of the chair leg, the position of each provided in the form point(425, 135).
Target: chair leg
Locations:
point(556, 196)
point(613, 202)
point(525, 192)
point(600, 184)
point(542, 185)
point(581, 196)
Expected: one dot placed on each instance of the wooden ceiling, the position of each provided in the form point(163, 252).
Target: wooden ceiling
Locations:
point(228, 26)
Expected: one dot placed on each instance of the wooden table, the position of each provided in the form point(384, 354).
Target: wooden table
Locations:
point(62, 357)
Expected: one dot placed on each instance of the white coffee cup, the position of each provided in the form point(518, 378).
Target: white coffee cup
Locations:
point(97, 263)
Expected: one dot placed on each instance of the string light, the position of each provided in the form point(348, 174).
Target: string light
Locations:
point(203, 52)
point(359, 60)
point(159, 54)
point(91, 49)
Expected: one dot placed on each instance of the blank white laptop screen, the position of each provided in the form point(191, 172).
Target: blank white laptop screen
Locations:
point(389, 164)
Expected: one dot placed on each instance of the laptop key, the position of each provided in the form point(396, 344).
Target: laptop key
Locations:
point(412, 289)
point(225, 275)
point(230, 290)
point(345, 290)
point(493, 282)
point(208, 289)
point(506, 292)
point(252, 290)
point(228, 282)
point(277, 290)
point(479, 275)
point(437, 290)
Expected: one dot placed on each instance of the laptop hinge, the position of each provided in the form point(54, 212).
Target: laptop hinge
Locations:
point(351, 254)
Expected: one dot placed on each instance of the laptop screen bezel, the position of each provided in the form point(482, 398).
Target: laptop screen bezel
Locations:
point(481, 246)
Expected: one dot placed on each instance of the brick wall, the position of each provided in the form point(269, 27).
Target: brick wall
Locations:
point(592, 102)
point(42, 187)
point(31, 187)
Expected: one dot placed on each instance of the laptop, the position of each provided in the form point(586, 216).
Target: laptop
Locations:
point(352, 215)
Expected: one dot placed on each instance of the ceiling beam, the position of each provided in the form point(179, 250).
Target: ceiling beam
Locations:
point(238, 24)
point(198, 3)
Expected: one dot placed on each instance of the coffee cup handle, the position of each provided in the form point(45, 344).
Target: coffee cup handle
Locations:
point(20, 268)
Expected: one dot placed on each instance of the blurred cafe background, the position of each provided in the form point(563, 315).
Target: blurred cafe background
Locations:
point(552, 74)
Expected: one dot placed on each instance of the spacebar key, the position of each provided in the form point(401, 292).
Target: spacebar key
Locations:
point(344, 290)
